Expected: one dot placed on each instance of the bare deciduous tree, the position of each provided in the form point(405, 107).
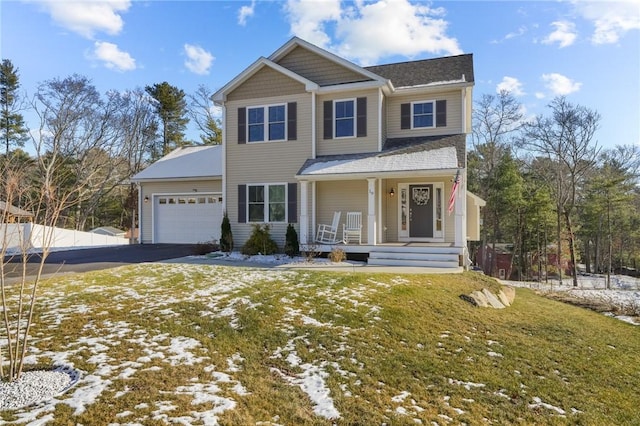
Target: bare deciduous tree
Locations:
point(204, 114)
point(565, 138)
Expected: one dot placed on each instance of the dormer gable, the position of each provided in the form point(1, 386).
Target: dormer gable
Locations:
point(321, 66)
point(261, 64)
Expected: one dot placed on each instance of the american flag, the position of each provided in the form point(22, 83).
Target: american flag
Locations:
point(454, 191)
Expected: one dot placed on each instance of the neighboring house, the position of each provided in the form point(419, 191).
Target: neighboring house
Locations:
point(180, 197)
point(12, 214)
point(109, 230)
point(308, 134)
point(500, 262)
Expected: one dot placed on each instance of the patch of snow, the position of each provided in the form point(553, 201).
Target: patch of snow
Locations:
point(537, 402)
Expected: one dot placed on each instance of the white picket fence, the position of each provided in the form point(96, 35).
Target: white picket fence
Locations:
point(33, 237)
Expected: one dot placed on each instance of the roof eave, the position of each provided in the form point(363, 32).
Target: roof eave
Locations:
point(352, 86)
point(378, 174)
point(174, 178)
point(429, 88)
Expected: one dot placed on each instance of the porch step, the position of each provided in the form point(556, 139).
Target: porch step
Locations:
point(416, 256)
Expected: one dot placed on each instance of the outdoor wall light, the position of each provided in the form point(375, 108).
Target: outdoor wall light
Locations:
point(146, 200)
point(392, 193)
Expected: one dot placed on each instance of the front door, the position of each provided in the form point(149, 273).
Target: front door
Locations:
point(421, 211)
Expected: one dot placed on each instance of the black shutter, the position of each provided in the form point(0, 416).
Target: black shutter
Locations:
point(328, 119)
point(242, 125)
point(292, 125)
point(361, 123)
point(441, 113)
point(405, 116)
point(242, 203)
point(292, 208)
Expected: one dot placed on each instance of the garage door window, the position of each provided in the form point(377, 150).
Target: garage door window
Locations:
point(266, 203)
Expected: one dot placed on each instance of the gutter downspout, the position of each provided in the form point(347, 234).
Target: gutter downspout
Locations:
point(313, 124)
point(224, 159)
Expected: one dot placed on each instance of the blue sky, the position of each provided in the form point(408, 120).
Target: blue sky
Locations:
point(588, 51)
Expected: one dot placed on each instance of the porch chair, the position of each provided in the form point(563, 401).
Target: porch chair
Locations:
point(352, 229)
point(327, 234)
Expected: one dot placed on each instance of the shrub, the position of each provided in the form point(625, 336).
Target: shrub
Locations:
point(260, 242)
point(337, 255)
point(311, 251)
point(203, 248)
point(291, 245)
point(226, 237)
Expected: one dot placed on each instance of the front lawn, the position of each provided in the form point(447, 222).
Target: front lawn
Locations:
point(197, 344)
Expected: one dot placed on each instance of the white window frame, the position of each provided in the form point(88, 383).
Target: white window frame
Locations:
point(265, 122)
point(355, 118)
point(266, 202)
point(413, 116)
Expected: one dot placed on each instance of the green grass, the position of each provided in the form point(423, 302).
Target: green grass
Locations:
point(395, 349)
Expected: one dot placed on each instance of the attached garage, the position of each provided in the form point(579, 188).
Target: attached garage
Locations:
point(181, 198)
point(187, 218)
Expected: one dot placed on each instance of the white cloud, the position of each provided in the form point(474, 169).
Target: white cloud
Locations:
point(564, 34)
point(367, 31)
point(308, 20)
point(611, 20)
point(510, 84)
point(113, 57)
point(198, 60)
point(539, 95)
point(246, 12)
point(560, 85)
point(87, 17)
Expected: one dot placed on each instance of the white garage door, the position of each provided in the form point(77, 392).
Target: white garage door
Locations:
point(187, 218)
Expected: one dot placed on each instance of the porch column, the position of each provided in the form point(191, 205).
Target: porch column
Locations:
point(304, 212)
point(371, 217)
point(459, 212)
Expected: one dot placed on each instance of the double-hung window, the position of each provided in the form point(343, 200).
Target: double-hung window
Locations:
point(423, 114)
point(266, 203)
point(345, 118)
point(267, 123)
point(255, 124)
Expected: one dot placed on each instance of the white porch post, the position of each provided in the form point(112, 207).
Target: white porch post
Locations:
point(371, 217)
point(304, 212)
point(459, 212)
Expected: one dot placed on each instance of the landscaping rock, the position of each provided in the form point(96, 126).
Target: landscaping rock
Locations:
point(503, 298)
point(469, 299)
point(492, 299)
point(480, 299)
point(510, 292)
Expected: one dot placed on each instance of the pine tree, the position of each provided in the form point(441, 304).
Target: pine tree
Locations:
point(12, 126)
point(171, 107)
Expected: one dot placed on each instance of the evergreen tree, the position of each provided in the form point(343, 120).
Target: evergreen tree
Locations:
point(12, 126)
point(171, 107)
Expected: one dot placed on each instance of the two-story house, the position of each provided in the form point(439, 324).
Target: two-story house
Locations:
point(308, 134)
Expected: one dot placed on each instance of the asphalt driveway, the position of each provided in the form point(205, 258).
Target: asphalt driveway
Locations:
point(91, 259)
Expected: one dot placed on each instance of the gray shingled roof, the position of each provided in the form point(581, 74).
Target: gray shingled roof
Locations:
point(427, 71)
point(400, 154)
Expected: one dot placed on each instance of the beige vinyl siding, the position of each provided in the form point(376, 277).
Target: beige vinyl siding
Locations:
point(390, 207)
point(318, 69)
point(174, 187)
point(265, 83)
point(385, 103)
point(454, 115)
point(352, 145)
point(264, 162)
point(343, 196)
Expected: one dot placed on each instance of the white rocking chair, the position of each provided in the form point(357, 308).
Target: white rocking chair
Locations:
point(328, 234)
point(352, 229)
